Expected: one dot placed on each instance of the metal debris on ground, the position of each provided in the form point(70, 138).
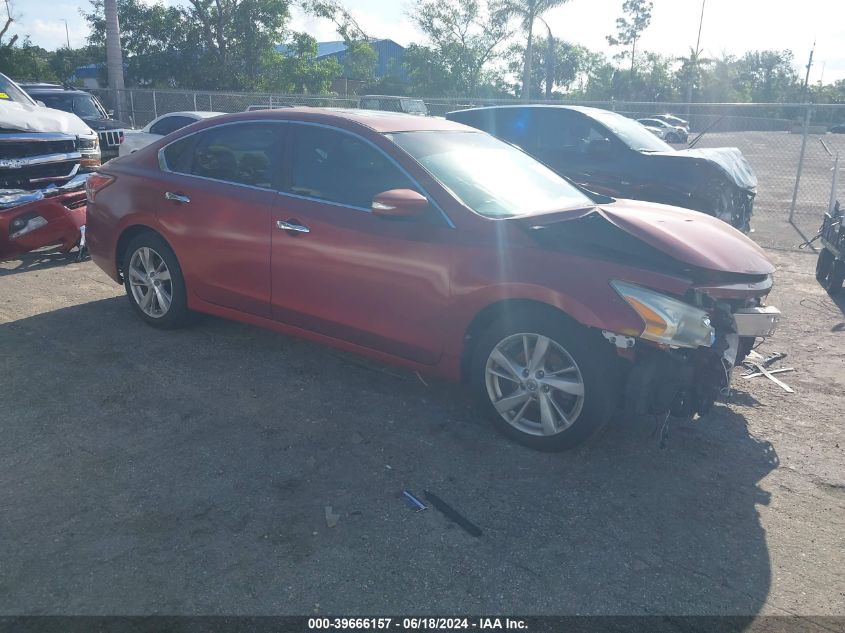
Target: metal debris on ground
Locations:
point(760, 364)
point(768, 375)
point(757, 374)
point(469, 527)
point(331, 517)
point(412, 501)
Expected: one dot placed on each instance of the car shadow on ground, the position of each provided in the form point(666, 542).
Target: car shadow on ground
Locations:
point(189, 472)
point(39, 260)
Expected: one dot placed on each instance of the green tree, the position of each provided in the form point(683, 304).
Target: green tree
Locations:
point(465, 37)
point(159, 45)
point(527, 11)
point(630, 26)
point(359, 61)
point(204, 44)
point(558, 64)
point(690, 72)
point(298, 70)
point(23, 60)
point(768, 76)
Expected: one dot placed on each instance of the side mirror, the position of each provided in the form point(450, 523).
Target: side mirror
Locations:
point(399, 203)
point(40, 103)
point(599, 147)
point(110, 113)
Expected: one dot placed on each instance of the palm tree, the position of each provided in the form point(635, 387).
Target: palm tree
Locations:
point(527, 11)
point(690, 70)
point(114, 55)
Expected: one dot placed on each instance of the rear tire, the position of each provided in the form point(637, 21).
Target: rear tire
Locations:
point(561, 396)
point(154, 282)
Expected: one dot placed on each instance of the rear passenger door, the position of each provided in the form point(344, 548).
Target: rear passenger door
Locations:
point(216, 203)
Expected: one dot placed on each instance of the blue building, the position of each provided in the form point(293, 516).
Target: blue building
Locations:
point(389, 56)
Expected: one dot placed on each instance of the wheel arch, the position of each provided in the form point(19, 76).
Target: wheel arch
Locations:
point(493, 311)
point(126, 236)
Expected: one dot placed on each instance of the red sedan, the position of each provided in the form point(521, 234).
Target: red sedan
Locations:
point(427, 243)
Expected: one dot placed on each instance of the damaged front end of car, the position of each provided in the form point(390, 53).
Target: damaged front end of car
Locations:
point(689, 290)
point(35, 219)
point(681, 363)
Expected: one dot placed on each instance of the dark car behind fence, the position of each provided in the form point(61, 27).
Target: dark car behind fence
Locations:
point(770, 136)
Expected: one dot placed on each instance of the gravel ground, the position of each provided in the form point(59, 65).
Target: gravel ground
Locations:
point(188, 472)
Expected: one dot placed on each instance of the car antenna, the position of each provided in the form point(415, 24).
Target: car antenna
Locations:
point(706, 130)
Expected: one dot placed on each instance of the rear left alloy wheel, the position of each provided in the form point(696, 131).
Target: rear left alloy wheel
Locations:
point(543, 383)
point(154, 283)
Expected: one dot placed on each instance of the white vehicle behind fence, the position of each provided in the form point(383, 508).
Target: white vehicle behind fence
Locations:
point(161, 126)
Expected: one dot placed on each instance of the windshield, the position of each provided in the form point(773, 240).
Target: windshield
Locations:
point(630, 132)
point(489, 176)
point(414, 106)
point(81, 105)
point(10, 92)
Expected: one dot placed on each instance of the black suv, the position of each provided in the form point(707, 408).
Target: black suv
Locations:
point(87, 107)
point(613, 155)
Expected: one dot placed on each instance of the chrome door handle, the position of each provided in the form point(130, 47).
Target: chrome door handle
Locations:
point(287, 226)
point(177, 197)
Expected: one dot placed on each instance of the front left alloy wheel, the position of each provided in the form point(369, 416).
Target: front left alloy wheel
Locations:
point(543, 381)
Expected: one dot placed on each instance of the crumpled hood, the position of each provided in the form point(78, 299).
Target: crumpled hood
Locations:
point(688, 236)
point(729, 160)
point(105, 124)
point(29, 118)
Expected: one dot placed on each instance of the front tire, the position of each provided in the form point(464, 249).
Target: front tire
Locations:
point(154, 282)
point(544, 382)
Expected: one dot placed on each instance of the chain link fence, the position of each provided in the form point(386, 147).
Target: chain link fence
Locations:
point(794, 184)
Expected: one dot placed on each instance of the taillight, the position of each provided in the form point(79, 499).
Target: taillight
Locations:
point(120, 136)
point(95, 183)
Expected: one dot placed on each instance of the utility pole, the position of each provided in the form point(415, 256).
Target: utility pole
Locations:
point(804, 135)
point(114, 56)
point(67, 33)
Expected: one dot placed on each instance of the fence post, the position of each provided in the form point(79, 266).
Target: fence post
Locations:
point(832, 203)
point(155, 107)
point(800, 162)
point(271, 102)
point(132, 106)
point(195, 102)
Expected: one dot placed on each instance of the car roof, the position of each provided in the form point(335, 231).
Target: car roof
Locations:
point(55, 90)
point(199, 114)
point(389, 97)
point(376, 120)
point(542, 106)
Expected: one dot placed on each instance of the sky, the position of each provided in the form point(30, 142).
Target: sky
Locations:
point(729, 27)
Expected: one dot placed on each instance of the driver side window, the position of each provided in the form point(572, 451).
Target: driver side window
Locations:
point(338, 167)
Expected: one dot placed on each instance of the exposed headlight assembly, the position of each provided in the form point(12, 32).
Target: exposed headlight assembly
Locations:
point(88, 143)
point(25, 224)
point(667, 320)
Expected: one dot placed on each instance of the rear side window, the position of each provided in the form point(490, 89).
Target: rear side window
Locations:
point(170, 124)
point(245, 154)
point(338, 167)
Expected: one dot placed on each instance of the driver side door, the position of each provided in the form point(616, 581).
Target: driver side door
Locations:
point(344, 272)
